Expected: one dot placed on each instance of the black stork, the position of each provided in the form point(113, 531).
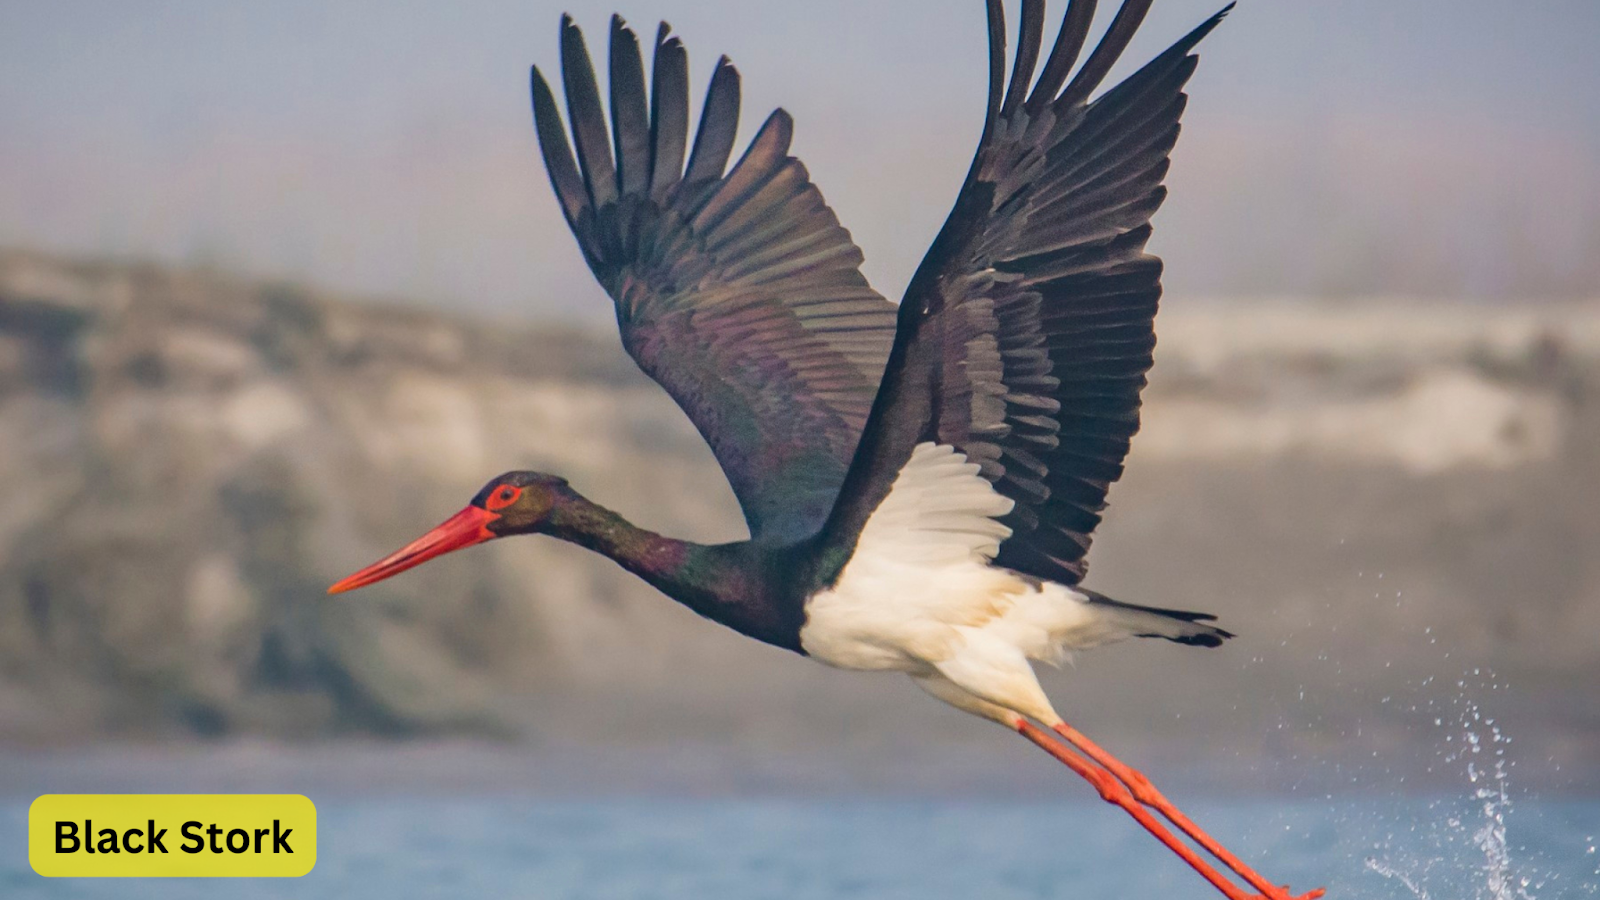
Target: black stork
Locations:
point(920, 483)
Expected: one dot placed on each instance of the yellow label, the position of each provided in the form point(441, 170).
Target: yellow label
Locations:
point(172, 835)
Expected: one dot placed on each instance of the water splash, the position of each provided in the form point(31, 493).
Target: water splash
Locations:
point(1393, 874)
point(1491, 837)
point(1476, 742)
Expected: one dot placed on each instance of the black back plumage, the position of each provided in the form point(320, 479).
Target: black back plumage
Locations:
point(737, 291)
point(1026, 334)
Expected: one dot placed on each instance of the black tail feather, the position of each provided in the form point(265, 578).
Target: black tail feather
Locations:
point(1206, 636)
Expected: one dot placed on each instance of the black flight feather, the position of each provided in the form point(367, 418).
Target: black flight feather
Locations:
point(719, 122)
point(587, 115)
point(1069, 43)
point(630, 116)
point(669, 112)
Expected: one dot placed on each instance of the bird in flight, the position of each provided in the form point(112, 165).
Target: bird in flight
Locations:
point(920, 482)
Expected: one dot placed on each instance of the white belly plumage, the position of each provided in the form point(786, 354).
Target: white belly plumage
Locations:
point(884, 614)
point(920, 595)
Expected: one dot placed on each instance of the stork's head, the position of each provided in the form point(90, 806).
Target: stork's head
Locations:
point(514, 503)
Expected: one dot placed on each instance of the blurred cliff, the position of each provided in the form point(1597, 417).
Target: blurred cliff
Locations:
point(1371, 497)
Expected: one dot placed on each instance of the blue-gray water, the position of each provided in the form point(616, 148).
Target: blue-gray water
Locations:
point(1447, 848)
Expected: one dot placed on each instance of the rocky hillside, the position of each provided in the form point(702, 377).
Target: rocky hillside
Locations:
point(1370, 497)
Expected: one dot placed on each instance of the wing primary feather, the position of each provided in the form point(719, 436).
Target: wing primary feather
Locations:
point(1069, 43)
point(629, 115)
point(760, 161)
point(1029, 36)
point(588, 117)
point(669, 112)
point(1188, 41)
point(968, 205)
point(1112, 43)
point(719, 121)
point(564, 177)
point(997, 74)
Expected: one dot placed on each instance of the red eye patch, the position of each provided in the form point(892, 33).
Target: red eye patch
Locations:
point(503, 496)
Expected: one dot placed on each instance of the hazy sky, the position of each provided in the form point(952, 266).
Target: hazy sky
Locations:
point(1411, 147)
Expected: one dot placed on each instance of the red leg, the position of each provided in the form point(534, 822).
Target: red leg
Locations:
point(1145, 792)
point(1112, 791)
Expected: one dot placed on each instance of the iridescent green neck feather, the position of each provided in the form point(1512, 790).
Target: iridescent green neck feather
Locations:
point(727, 583)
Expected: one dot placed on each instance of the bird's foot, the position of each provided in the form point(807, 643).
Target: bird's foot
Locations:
point(1284, 895)
point(1275, 893)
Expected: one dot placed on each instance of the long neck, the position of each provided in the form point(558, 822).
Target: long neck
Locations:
point(722, 582)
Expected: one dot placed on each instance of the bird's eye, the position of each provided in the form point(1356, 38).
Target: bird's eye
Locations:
point(503, 497)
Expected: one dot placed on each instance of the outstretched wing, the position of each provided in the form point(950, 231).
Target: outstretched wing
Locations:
point(1027, 331)
point(739, 293)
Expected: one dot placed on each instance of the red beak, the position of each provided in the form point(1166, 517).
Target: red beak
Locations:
point(465, 528)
